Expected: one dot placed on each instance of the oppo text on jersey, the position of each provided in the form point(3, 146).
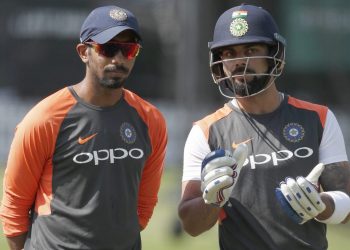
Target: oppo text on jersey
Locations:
point(276, 157)
point(109, 155)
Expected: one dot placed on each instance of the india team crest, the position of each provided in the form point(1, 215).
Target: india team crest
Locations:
point(128, 133)
point(239, 27)
point(118, 14)
point(293, 132)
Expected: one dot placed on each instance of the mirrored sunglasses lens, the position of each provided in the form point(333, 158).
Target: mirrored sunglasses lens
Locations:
point(130, 50)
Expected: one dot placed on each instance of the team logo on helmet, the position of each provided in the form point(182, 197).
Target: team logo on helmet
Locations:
point(118, 14)
point(239, 27)
point(128, 133)
point(293, 132)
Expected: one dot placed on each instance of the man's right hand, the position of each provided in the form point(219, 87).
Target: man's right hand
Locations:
point(220, 171)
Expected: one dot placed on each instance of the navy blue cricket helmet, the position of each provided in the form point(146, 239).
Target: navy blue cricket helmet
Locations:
point(246, 24)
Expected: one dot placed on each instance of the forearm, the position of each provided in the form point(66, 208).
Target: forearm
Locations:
point(197, 217)
point(17, 242)
point(335, 178)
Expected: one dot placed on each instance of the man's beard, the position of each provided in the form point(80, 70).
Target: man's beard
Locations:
point(112, 83)
point(251, 87)
point(248, 87)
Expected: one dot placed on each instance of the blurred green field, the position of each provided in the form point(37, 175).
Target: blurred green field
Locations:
point(162, 232)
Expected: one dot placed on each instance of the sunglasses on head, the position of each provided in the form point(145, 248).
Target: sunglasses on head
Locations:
point(110, 49)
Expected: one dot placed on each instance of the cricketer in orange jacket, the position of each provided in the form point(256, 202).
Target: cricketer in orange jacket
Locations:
point(85, 164)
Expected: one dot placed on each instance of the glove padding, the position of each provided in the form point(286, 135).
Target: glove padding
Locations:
point(220, 170)
point(299, 197)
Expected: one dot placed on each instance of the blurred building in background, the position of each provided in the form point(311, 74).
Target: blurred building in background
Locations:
point(38, 57)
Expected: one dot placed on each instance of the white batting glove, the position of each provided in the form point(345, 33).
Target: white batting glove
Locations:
point(299, 197)
point(220, 170)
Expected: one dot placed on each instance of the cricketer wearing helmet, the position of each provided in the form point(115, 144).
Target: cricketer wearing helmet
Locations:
point(272, 169)
point(233, 28)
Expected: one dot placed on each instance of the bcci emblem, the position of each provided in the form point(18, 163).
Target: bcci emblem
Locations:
point(239, 27)
point(128, 133)
point(118, 14)
point(293, 132)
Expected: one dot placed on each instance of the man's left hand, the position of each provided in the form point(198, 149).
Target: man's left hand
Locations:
point(300, 198)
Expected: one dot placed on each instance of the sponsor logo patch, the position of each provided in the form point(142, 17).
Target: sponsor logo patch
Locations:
point(106, 156)
point(276, 158)
point(234, 145)
point(83, 140)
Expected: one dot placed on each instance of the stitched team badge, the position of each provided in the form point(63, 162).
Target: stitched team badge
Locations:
point(128, 133)
point(239, 27)
point(118, 14)
point(293, 132)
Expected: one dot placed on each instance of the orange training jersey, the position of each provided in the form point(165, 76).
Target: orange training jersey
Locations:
point(84, 177)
